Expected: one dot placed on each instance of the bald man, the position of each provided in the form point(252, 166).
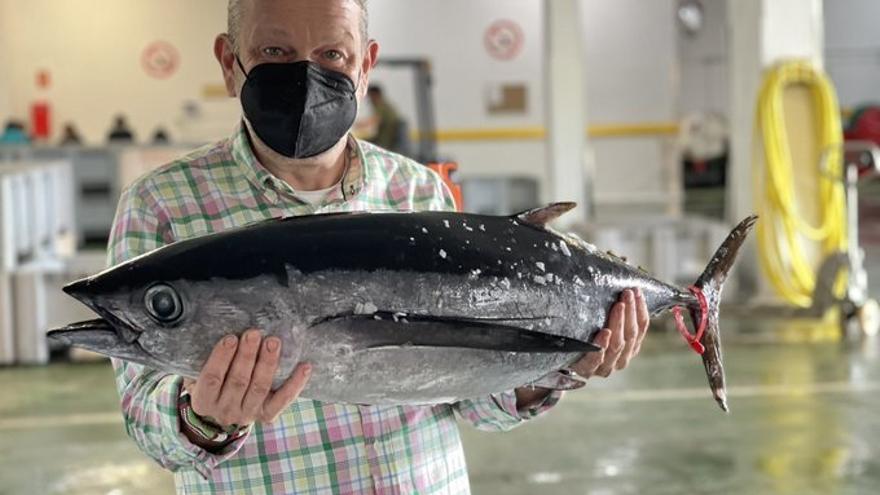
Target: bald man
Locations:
point(227, 432)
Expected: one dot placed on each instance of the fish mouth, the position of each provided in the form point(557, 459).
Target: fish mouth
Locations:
point(81, 291)
point(100, 336)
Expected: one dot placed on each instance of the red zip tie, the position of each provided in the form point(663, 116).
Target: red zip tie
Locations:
point(693, 340)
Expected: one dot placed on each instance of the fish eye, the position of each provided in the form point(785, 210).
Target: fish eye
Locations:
point(163, 303)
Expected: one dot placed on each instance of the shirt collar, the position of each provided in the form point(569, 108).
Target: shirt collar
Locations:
point(353, 181)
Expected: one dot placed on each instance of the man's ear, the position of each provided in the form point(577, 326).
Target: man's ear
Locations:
point(370, 58)
point(226, 56)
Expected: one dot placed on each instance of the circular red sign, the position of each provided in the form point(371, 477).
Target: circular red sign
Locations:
point(160, 59)
point(44, 79)
point(504, 39)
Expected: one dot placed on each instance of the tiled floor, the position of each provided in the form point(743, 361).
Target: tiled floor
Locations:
point(804, 421)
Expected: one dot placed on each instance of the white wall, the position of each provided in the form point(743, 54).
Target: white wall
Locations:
point(852, 49)
point(5, 62)
point(704, 84)
point(93, 47)
point(632, 76)
point(450, 34)
point(852, 55)
point(631, 66)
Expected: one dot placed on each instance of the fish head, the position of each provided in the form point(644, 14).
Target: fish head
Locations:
point(168, 324)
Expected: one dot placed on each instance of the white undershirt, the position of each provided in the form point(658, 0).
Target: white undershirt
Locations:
point(316, 197)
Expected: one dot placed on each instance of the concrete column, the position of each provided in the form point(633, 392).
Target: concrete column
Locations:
point(29, 298)
point(762, 33)
point(565, 102)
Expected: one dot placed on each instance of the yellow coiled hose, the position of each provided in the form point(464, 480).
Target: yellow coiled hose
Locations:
point(782, 230)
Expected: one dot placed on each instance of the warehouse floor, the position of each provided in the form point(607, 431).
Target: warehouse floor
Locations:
point(803, 421)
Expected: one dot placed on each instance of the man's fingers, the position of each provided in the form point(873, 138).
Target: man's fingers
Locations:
point(238, 379)
point(630, 329)
point(281, 398)
point(211, 378)
point(644, 319)
point(586, 366)
point(261, 379)
point(617, 342)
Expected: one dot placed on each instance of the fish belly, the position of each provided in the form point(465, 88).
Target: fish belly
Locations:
point(423, 375)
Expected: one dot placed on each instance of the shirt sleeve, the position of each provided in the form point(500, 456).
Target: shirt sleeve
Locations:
point(148, 396)
point(433, 194)
point(496, 412)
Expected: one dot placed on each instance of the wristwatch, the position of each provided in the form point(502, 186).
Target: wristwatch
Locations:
point(207, 431)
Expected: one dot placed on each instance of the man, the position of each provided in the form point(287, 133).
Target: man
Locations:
point(390, 128)
point(120, 132)
point(13, 133)
point(226, 432)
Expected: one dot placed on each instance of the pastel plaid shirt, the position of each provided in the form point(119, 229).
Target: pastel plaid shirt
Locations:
point(314, 447)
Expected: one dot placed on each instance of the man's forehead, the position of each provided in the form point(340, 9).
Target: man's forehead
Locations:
point(274, 28)
point(282, 17)
point(303, 8)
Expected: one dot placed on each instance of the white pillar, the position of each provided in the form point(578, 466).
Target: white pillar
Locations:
point(565, 91)
point(29, 297)
point(762, 33)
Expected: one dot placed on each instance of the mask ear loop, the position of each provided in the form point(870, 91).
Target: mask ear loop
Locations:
point(238, 61)
point(357, 84)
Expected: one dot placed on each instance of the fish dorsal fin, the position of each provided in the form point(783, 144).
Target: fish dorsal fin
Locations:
point(540, 217)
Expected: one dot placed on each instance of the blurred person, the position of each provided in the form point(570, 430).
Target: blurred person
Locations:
point(14, 133)
point(391, 130)
point(120, 132)
point(227, 432)
point(70, 136)
point(160, 136)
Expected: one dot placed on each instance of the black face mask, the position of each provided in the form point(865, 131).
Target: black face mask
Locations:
point(298, 109)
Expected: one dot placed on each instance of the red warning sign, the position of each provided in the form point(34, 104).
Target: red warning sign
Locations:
point(504, 39)
point(160, 59)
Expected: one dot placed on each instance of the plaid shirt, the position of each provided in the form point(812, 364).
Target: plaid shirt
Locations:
point(314, 447)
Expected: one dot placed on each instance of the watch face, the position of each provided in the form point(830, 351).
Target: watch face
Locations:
point(690, 15)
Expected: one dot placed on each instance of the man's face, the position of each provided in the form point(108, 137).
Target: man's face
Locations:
point(326, 32)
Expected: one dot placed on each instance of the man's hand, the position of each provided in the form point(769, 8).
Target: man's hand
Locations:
point(234, 386)
point(621, 340)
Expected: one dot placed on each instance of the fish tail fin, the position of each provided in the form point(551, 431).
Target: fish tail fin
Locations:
point(708, 290)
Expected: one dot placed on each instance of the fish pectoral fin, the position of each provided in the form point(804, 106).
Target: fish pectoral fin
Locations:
point(560, 380)
point(378, 331)
point(540, 217)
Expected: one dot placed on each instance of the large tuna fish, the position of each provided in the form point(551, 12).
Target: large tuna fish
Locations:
point(390, 308)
